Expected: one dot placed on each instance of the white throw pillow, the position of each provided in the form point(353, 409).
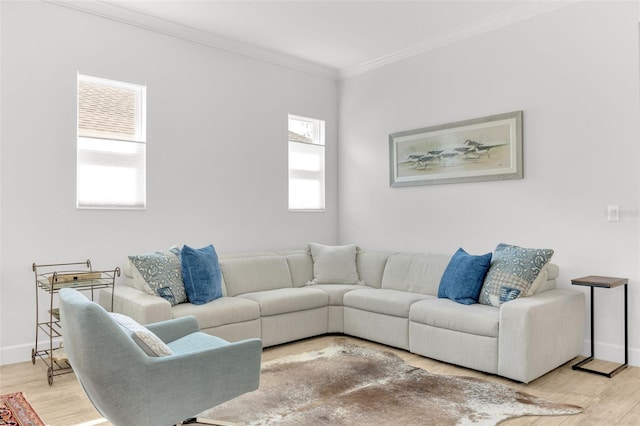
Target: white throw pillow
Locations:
point(334, 264)
point(144, 338)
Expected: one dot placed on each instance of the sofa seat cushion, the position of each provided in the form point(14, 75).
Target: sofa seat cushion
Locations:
point(478, 319)
point(222, 311)
point(285, 300)
point(336, 292)
point(383, 301)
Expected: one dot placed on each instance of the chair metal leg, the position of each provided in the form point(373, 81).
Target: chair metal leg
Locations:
point(205, 421)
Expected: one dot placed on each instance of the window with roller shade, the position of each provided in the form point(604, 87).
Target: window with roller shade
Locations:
point(306, 164)
point(111, 145)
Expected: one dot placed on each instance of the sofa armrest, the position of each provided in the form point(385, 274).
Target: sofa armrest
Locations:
point(539, 333)
point(142, 307)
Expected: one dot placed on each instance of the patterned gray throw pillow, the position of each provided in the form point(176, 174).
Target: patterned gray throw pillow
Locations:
point(162, 272)
point(512, 273)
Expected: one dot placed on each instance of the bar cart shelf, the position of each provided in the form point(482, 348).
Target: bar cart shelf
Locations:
point(50, 279)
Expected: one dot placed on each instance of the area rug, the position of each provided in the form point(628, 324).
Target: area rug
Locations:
point(345, 384)
point(15, 410)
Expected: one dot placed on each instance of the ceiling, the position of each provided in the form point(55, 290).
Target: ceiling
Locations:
point(332, 36)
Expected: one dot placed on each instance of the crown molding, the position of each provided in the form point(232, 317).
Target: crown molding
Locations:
point(120, 14)
point(113, 12)
point(527, 10)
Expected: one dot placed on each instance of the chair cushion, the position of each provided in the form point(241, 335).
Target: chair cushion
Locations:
point(463, 278)
point(222, 311)
point(195, 342)
point(285, 300)
point(383, 301)
point(512, 273)
point(201, 274)
point(475, 319)
point(334, 264)
point(159, 273)
point(144, 338)
point(255, 274)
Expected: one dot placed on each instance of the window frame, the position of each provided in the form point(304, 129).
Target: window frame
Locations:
point(99, 156)
point(318, 140)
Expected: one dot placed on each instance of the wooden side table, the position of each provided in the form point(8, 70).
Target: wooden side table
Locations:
point(594, 281)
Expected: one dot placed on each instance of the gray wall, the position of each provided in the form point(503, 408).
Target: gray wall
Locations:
point(216, 152)
point(574, 73)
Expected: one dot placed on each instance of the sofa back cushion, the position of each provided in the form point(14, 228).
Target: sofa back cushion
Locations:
point(300, 267)
point(251, 274)
point(415, 272)
point(371, 267)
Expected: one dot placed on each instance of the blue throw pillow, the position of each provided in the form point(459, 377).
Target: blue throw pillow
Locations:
point(464, 276)
point(201, 274)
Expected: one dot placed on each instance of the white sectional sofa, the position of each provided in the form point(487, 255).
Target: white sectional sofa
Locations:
point(276, 296)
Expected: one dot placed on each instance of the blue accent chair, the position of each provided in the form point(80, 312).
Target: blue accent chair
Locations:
point(129, 387)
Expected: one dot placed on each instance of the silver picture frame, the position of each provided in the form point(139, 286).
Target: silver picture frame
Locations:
point(481, 149)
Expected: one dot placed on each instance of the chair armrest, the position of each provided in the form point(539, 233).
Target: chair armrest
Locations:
point(142, 307)
point(210, 377)
point(171, 330)
point(539, 333)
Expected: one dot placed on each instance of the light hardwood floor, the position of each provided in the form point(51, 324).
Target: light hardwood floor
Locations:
point(614, 401)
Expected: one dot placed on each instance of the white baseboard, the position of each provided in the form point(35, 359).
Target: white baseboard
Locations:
point(613, 353)
point(22, 353)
